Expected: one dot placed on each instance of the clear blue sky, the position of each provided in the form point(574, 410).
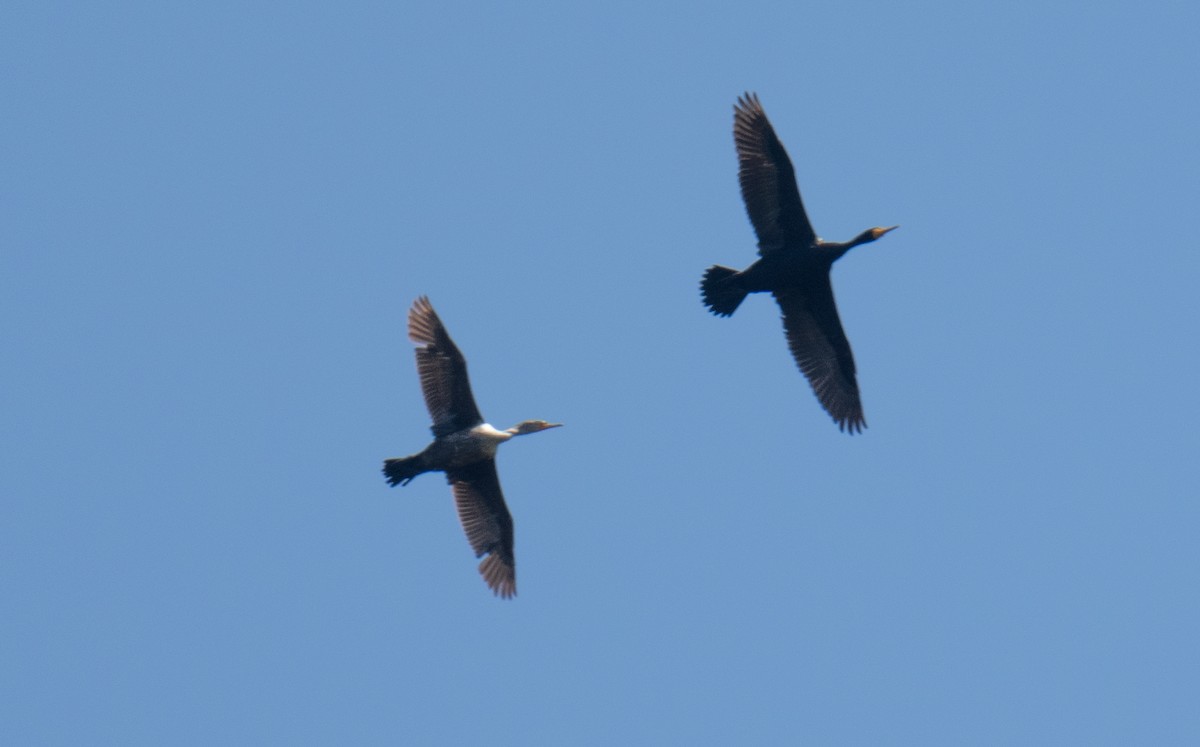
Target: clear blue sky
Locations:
point(215, 217)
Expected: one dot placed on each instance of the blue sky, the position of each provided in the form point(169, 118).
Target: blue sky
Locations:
point(214, 218)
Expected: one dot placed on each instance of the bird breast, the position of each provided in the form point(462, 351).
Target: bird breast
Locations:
point(467, 447)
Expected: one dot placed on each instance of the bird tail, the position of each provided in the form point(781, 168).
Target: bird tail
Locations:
point(401, 471)
point(721, 295)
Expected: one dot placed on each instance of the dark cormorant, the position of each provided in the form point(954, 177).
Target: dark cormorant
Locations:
point(464, 447)
point(794, 266)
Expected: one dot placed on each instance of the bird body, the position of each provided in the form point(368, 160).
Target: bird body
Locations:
point(458, 449)
point(793, 265)
point(464, 447)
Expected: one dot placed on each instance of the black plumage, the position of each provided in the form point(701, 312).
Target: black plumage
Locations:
point(793, 265)
point(464, 447)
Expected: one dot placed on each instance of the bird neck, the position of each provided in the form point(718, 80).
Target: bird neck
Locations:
point(488, 432)
point(832, 251)
point(835, 250)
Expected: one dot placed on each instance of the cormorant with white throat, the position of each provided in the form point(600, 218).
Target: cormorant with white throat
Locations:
point(464, 447)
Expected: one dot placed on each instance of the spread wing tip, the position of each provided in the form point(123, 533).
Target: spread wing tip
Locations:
point(423, 322)
point(747, 101)
point(852, 424)
point(500, 575)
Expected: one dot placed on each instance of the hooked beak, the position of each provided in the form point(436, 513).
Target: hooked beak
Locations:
point(881, 231)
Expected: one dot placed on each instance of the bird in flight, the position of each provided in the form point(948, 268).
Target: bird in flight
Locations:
point(793, 266)
point(464, 447)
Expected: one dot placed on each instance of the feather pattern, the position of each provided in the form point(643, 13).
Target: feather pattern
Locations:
point(818, 344)
point(443, 372)
point(487, 523)
point(768, 181)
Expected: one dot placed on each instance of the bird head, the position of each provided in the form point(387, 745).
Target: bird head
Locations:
point(531, 426)
point(866, 237)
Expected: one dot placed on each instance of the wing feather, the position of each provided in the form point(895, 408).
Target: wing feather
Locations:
point(821, 350)
point(443, 372)
point(487, 523)
point(768, 181)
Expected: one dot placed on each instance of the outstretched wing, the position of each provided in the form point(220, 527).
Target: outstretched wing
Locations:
point(443, 372)
point(768, 181)
point(487, 522)
point(822, 352)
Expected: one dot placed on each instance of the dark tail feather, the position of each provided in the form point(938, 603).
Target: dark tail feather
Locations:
point(401, 471)
point(721, 295)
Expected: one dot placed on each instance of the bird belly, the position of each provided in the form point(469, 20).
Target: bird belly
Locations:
point(779, 271)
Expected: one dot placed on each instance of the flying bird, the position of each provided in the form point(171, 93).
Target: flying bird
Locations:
point(793, 266)
point(464, 447)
